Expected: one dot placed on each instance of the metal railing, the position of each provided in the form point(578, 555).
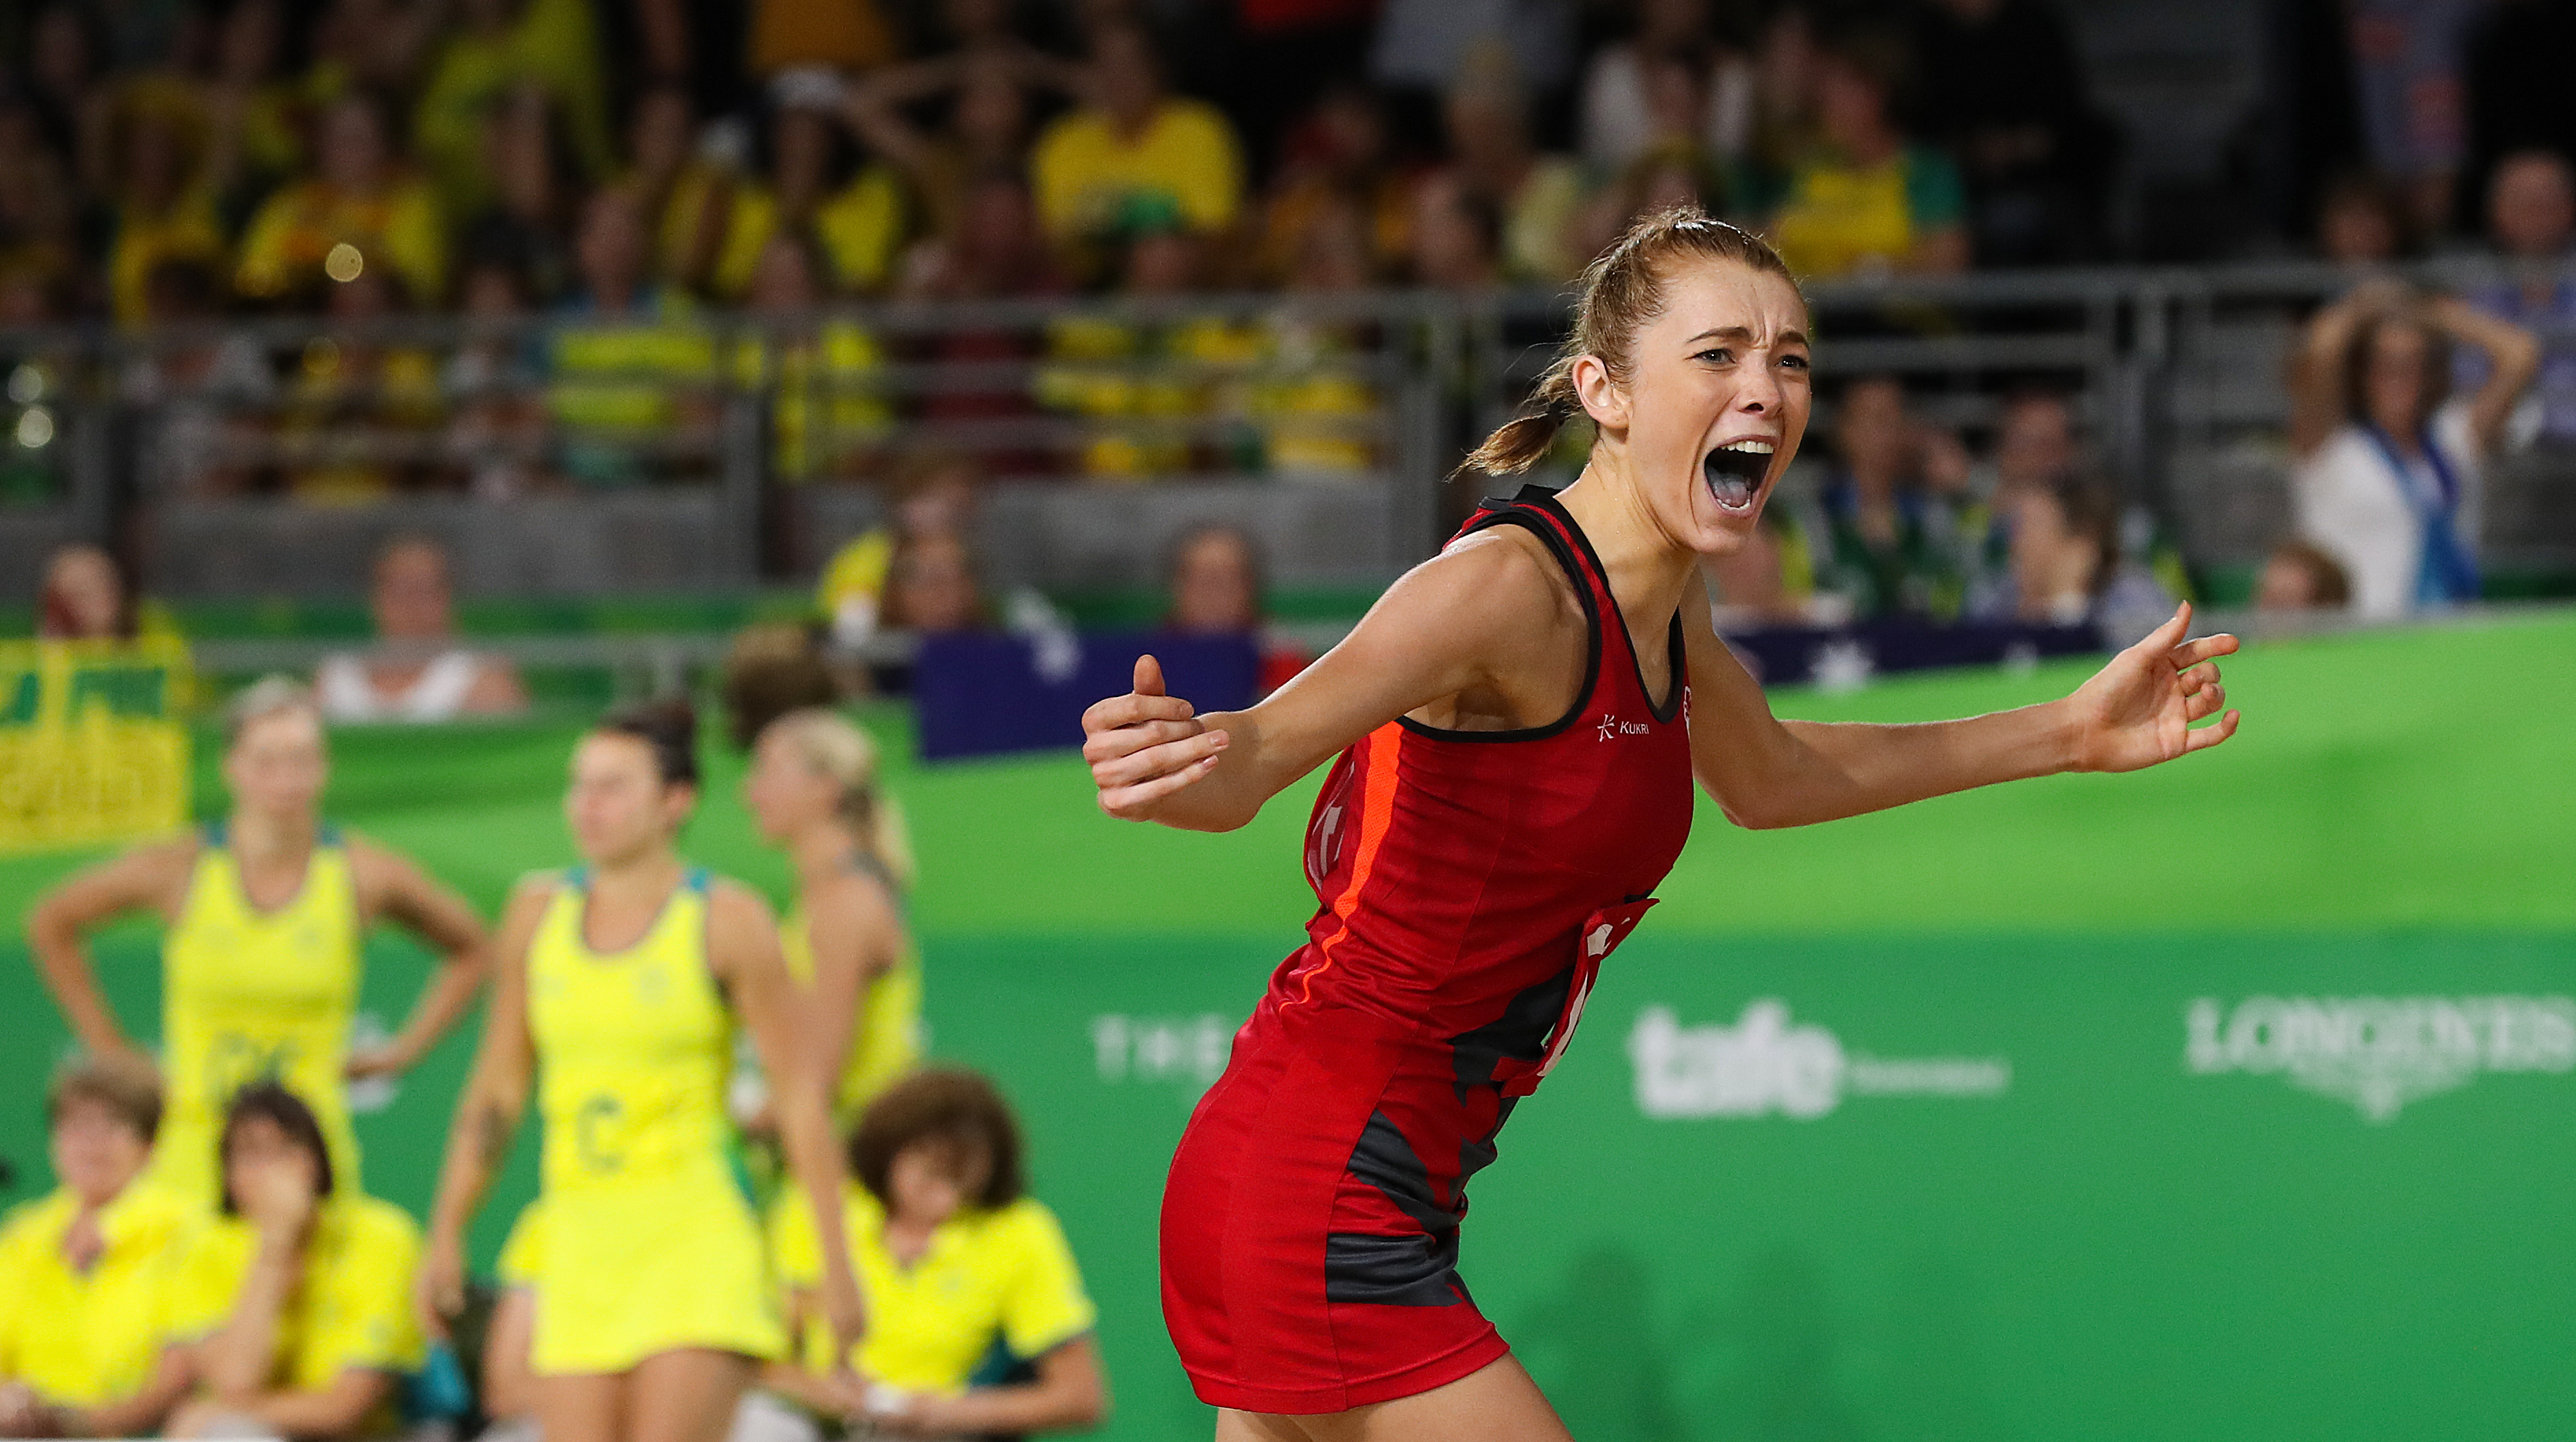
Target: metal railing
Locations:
point(696, 450)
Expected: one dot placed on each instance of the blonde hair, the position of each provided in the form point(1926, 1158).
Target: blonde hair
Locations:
point(1620, 293)
point(837, 749)
point(268, 696)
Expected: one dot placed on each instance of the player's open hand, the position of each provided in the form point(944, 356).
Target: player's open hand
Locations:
point(1145, 745)
point(2140, 709)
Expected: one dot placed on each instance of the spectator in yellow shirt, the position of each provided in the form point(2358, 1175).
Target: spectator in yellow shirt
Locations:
point(90, 1272)
point(300, 1294)
point(164, 207)
point(630, 368)
point(360, 198)
point(827, 409)
point(956, 1263)
point(1132, 144)
point(1164, 398)
point(499, 46)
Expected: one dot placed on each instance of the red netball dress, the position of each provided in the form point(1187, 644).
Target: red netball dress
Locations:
point(1469, 885)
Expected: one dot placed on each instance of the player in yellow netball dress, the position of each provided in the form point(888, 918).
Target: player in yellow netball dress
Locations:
point(267, 914)
point(812, 789)
point(619, 985)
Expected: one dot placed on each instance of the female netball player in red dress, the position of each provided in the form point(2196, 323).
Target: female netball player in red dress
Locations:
point(1518, 722)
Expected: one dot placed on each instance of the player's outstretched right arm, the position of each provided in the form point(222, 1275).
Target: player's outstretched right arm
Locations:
point(1462, 621)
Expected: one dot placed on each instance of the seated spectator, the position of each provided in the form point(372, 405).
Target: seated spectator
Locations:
point(252, 110)
point(355, 386)
point(1132, 150)
point(2002, 88)
point(1217, 589)
point(1536, 195)
point(497, 435)
point(199, 398)
point(1770, 580)
point(165, 210)
point(359, 199)
point(853, 209)
point(931, 586)
point(1882, 540)
point(995, 252)
point(2067, 569)
point(990, 94)
point(827, 415)
point(2298, 576)
point(2531, 218)
point(531, 182)
point(706, 213)
point(1677, 173)
point(629, 367)
point(93, 1269)
point(1622, 118)
point(416, 672)
point(1457, 236)
point(1339, 155)
point(1151, 389)
point(959, 1267)
point(2390, 467)
point(1315, 407)
point(1863, 197)
point(550, 47)
point(299, 1295)
point(84, 599)
point(932, 493)
point(2363, 224)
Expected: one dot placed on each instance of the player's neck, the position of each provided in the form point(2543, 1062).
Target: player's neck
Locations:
point(261, 839)
point(821, 849)
point(1646, 571)
point(650, 873)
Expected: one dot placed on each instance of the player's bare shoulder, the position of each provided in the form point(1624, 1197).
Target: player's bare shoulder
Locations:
point(1500, 582)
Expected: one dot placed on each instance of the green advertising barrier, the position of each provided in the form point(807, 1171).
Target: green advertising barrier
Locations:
point(2229, 1101)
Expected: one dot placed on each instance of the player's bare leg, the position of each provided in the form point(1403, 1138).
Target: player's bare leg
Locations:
point(1495, 1403)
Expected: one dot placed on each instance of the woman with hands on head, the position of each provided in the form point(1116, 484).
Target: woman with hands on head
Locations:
point(266, 914)
point(1518, 722)
point(2390, 473)
point(619, 985)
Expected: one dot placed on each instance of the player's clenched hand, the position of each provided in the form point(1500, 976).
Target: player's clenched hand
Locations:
point(1144, 746)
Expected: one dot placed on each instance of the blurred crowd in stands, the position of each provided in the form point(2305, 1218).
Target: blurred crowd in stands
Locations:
point(628, 170)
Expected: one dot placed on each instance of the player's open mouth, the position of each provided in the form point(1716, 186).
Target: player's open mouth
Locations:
point(1735, 472)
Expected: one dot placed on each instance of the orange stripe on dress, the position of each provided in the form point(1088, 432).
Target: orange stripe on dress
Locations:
point(1377, 812)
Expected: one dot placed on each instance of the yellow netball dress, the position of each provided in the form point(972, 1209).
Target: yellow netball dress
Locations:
point(250, 995)
point(650, 1244)
point(887, 1041)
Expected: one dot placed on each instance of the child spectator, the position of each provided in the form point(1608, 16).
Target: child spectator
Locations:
point(1884, 542)
point(300, 1294)
point(2531, 219)
point(1864, 198)
point(417, 672)
point(958, 1265)
point(358, 206)
point(1218, 588)
point(1622, 118)
point(93, 1269)
point(1536, 195)
point(1132, 150)
point(2298, 576)
point(2390, 468)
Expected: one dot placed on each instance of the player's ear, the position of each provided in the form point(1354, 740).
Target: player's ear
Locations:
point(1604, 399)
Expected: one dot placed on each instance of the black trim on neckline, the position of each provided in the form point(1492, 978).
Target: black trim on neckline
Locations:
point(1514, 515)
point(1671, 705)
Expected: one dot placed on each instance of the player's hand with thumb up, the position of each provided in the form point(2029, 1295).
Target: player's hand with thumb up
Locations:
point(1145, 746)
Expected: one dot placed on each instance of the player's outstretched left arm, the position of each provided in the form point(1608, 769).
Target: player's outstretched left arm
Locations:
point(2138, 710)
